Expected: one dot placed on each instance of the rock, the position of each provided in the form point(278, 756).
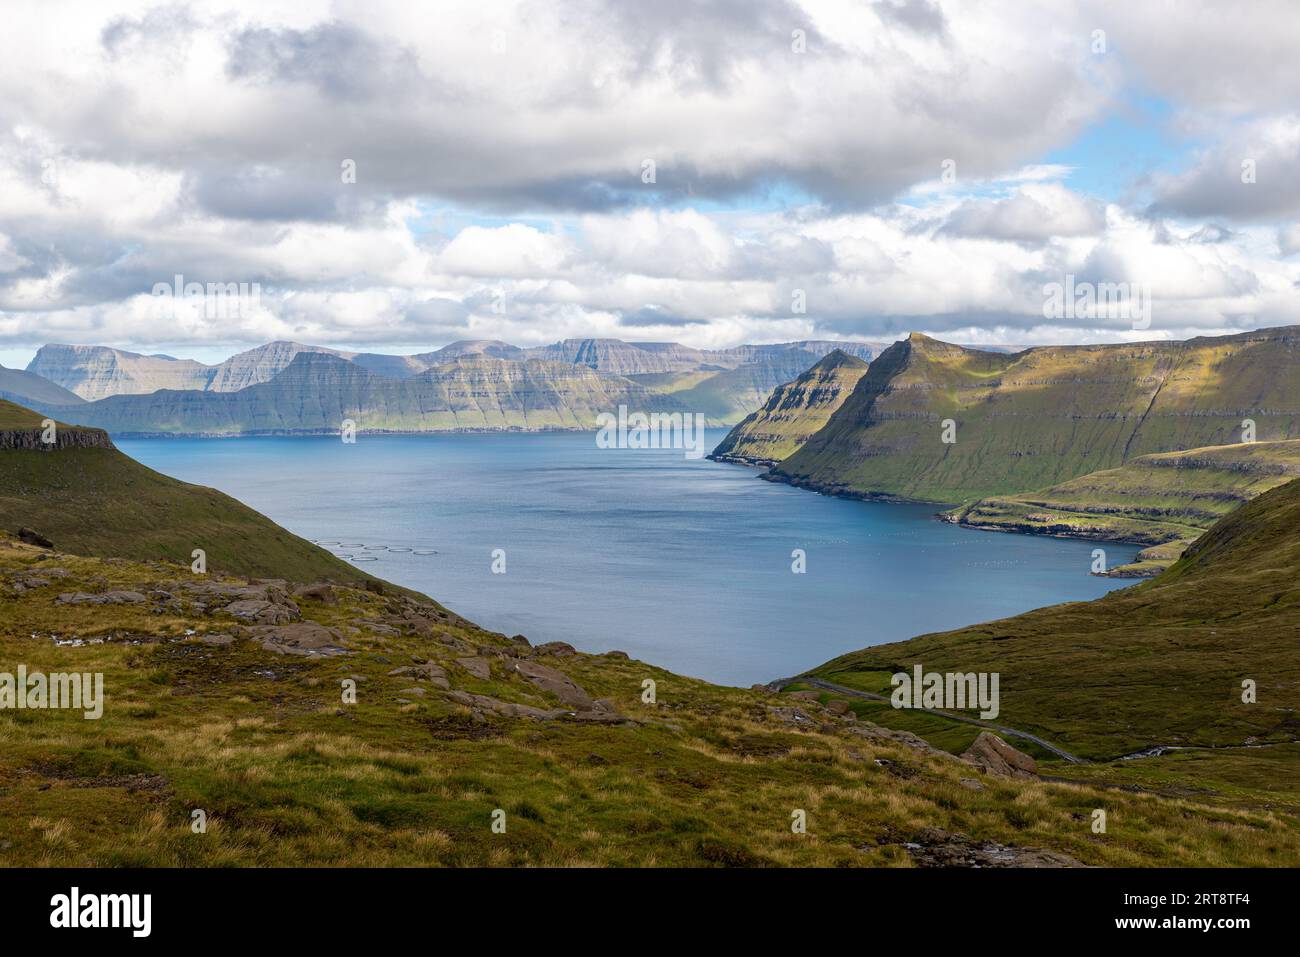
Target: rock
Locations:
point(260, 611)
point(219, 639)
point(456, 644)
point(478, 667)
point(874, 732)
point(322, 592)
point(521, 640)
point(994, 756)
point(374, 586)
point(793, 716)
point(103, 598)
point(558, 648)
point(306, 638)
point(481, 703)
point(839, 706)
point(553, 681)
point(33, 537)
point(619, 655)
point(934, 847)
point(415, 691)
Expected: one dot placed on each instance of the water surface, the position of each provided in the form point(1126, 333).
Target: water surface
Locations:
point(683, 563)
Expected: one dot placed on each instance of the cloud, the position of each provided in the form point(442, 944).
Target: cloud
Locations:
point(498, 159)
point(1034, 213)
point(1251, 175)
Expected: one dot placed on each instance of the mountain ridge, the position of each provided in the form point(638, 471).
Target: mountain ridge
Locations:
point(1042, 416)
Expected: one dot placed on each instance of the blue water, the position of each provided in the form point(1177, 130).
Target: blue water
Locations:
point(683, 563)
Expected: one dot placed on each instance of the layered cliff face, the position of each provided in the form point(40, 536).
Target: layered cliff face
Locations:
point(724, 384)
point(938, 422)
point(21, 428)
point(96, 372)
point(93, 372)
point(794, 413)
point(317, 392)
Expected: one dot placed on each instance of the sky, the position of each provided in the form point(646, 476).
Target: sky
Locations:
point(395, 176)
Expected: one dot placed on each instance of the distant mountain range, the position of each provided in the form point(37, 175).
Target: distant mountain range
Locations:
point(470, 385)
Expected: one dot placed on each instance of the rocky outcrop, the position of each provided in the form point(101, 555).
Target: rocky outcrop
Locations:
point(994, 756)
point(64, 438)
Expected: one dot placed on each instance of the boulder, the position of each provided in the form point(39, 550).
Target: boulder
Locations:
point(33, 537)
point(321, 591)
point(553, 681)
point(306, 638)
point(260, 611)
point(103, 598)
point(477, 666)
point(558, 648)
point(994, 756)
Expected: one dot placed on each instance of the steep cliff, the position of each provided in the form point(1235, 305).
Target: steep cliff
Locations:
point(795, 412)
point(317, 392)
point(1043, 416)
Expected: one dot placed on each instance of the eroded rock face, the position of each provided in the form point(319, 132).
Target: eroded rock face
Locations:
point(994, 756)
point(305, 638)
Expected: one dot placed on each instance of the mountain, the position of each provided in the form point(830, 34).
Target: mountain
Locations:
point(27, 387)
point(96, 372)
point(1036, 418)
point(1165, 501)
point(318, 391)
point(795, 412)
point(1160, 664)
point(89, 499)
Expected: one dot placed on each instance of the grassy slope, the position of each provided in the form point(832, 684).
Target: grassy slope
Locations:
point(97, 501)
point(794, 412)
point(289, 775)
point(1165, 500)
point(1040, 417)
point(1159, 663)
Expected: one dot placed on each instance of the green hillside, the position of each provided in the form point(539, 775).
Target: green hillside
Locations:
point(452, 725)
point(1164, 500)
point(1037, 418)
point(90, 499)
point(795, 412)
point(1156, 664)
